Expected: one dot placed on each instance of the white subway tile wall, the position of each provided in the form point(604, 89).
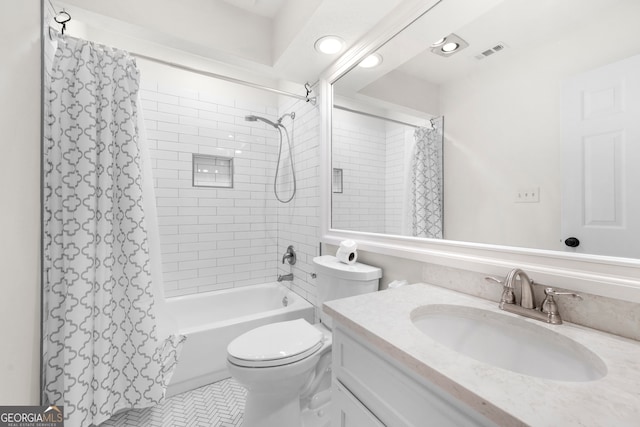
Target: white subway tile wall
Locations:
point(211, 238)
point(359, 151)
point(375, 156)
point(400, 143)
point(217, 238)
point(298, 221)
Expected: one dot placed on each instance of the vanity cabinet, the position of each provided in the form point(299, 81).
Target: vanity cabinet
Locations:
point(370, 389)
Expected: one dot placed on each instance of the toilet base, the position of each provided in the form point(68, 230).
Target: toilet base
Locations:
point(266, 410)
point(318, 415)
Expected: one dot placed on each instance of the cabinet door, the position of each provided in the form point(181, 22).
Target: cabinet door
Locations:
point(349, 411)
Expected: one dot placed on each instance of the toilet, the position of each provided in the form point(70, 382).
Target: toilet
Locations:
point(285, 366)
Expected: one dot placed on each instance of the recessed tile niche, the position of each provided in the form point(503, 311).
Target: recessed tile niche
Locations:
point(212, 171)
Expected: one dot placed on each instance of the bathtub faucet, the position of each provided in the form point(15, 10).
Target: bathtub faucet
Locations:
point(289, 256)
point(288, 277)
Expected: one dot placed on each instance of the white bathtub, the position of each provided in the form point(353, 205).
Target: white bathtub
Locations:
point(212, 320)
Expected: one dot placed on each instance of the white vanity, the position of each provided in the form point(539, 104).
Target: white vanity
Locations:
point(397, 361)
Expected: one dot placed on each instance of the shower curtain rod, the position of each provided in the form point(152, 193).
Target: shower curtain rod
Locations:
point(307, 86)
point(363, 113)
point(223, 77)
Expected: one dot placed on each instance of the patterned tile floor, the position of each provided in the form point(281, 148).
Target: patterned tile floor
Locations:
point(219, 404)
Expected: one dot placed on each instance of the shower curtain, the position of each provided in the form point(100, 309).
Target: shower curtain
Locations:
point(101, 348)
point(426, 182)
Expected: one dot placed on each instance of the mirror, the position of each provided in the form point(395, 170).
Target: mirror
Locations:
point(537, 109)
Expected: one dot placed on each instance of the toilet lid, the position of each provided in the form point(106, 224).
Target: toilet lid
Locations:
point(275, 344)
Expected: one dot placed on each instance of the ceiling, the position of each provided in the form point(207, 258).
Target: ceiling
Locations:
point(267, 8)
point(521, 26)
point(272, 38)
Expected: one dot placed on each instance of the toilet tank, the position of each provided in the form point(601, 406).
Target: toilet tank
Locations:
point(339, 280)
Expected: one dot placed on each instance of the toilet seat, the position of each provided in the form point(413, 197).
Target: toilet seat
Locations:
point(275, 344)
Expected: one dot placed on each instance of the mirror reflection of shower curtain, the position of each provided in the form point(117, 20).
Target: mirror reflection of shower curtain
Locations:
point(101, 348)
point(426, 193)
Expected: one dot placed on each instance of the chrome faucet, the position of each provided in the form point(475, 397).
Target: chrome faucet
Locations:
point(287, 277)
point(526, 288)
point(289, 256)
point(548, 311)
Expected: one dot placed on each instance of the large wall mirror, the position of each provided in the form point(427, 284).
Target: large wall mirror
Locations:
point(512, 123)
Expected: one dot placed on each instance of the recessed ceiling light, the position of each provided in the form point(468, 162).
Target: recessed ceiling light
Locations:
point(371, 61)
point(329, 44)
point(450, 47)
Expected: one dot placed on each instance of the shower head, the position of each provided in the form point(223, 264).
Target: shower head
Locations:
point(253, 118)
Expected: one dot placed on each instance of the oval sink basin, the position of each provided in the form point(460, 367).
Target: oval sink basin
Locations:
point(508, 342)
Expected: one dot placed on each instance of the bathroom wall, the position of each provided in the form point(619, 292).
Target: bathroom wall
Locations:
point(375, 156)
point(20, 194)
point(298, 221)
point(212, 238)
point(399, 147)
point(359, 146)
point(502, 132)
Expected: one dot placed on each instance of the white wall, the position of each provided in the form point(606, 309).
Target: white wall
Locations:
point(502, 133)
point(403, 89)
point(298, 221)
point(209, 28)
point(20, 196)
point(400, 143)
point(358, 148)
point(212, 238)
point(375, 156)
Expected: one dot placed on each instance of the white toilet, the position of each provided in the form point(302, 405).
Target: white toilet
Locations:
point(285, 366)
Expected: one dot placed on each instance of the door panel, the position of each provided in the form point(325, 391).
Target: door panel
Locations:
point(601, 159)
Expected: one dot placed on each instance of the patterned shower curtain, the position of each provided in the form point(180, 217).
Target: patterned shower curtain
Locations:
point(101, 350)
point(426, 182)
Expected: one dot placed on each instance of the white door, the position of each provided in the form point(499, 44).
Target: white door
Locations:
point(601, 160)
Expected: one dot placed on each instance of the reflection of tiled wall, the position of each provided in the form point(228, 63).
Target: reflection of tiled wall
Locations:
point(212, 238)
point(375, 158)
point(359, 151)
point(395, 180)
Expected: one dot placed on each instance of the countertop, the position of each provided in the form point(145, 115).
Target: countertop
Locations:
point(509, 399)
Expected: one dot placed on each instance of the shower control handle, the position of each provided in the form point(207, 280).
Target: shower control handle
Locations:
point(290, 255)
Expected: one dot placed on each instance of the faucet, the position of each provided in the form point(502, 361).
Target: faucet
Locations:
point(548, 311)
point(282, 277)
point(526, 290)
point(289, 256)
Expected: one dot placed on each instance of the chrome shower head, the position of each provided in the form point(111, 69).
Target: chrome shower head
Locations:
point(253, 118)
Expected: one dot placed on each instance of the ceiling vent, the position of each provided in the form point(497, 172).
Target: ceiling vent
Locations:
point(492, 50)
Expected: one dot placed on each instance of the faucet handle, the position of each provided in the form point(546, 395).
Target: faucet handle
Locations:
point(508, 297)
point(553, 292)
point(549, 306)
point(494, 279)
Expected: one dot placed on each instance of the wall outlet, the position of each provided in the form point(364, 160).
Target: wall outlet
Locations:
point(528, 195)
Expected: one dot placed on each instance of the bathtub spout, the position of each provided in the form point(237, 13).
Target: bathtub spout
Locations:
point(288, 277)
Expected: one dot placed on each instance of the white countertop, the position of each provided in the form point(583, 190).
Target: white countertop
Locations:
point(507, 398)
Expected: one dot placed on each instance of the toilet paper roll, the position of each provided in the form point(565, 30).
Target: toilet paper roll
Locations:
point(349, 245)
point(346, 256)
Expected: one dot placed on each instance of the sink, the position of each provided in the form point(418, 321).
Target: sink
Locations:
point(508, 342)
